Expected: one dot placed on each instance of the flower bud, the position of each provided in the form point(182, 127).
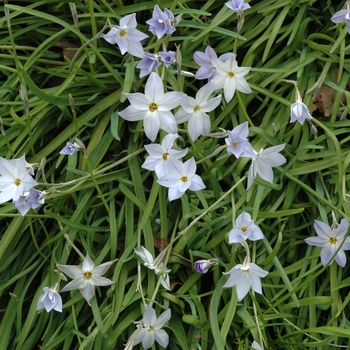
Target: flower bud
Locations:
point(203, 266)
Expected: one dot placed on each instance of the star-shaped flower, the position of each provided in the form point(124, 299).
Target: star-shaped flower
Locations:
point(205, 61)
point(148, 64)
point(29, 200)
point(244, 229)
point(237, 142)
point(161, 22)
point(159, 155)
point(194, 110)
point(150, 330)
point(230, 77)
point(50, 300)
point(299, 112)
point(127, 37)
point(180, 178)
point(15, 179)
point(263, 162)
point(244, 277)
point(86, 277)
point(70, 149)
point(329, 239)
point(342, 16)
point(237, 5)
point(153, 107)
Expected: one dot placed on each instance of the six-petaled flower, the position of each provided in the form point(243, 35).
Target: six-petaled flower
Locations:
point(86, 277)
point(245, 229)
point(150, 330)
point(237, 142)
point(330, 239)
point(153, 107)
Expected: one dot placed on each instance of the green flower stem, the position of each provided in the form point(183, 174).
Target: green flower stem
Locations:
point(96, 185)
point(240, 102)
point(69, 241)
point(205, 212)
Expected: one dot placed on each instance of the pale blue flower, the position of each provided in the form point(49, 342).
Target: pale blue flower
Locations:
point(203, 266)
point(237, 5)
point(342, 16)
point(329, 239)
point(161, 22)
point(29, 200)
point(237, 142)
point(70, 149)
point(50, 300)
point(167, 57)
point(148, 64)
point(127, 37)
point(205, 61)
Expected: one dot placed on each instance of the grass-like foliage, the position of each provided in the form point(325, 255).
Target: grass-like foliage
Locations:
point(61, 81)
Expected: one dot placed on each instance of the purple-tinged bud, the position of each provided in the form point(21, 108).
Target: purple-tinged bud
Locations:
point(203, 266)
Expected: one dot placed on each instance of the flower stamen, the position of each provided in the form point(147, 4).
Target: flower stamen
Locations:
point(333, 240)
point(18, 181)
point(153, 107)
point(184, 178)
point(122, 32)
point(87, 275)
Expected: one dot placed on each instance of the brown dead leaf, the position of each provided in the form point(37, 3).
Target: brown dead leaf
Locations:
point(323, 101)
point(160, 243)
point(69, 48)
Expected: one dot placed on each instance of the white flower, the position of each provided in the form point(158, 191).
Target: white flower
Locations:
point(256, 346)
point(150, 330)
point(155, 265)
point(230, 77)
point(127, 37)
point(299, 112)
point(15, 179)
point(159, 155)
point(181, 177)
point(244, 229)
point(237, 142)
point(244, 277)
point(263, 162)
point(195, 111)
point(49, 300)
point(329, 239)
point(86, 277)
point(153, 107)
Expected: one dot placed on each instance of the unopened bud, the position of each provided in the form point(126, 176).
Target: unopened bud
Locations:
point(24, 98)
point(74, 12)
point(71, 102)
point(313, 130)
point(344, 115)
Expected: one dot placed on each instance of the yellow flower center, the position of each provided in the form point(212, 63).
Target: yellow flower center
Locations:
point(244, 228)
point(234, 143)
point(184, 179)
point(231, 74)
point(153, 107)
point(122, 32)
point(18, 182)
point(87, 275)
point(196, 108)
point(333, 240)
point(165, 156)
